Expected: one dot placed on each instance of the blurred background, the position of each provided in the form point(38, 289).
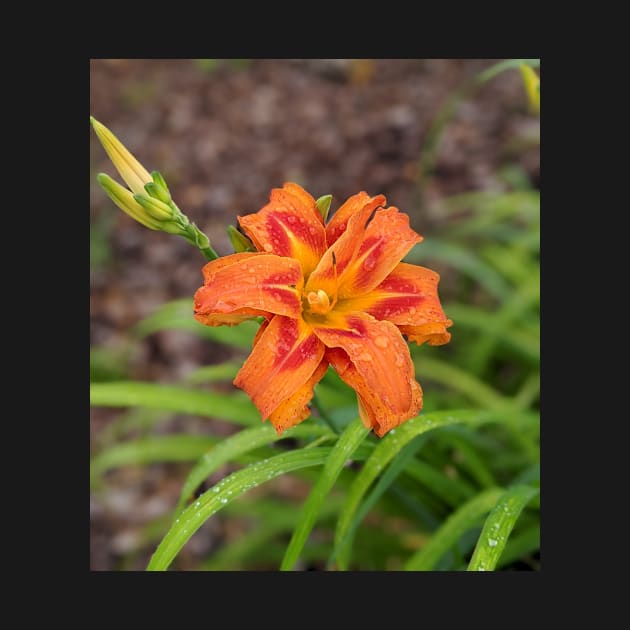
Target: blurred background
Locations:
point(460, 156)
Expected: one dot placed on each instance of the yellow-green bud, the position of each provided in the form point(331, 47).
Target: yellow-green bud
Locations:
point(239, 241)
point(172, 228)
point(532, 86)
point(157, 192)
point(124, 199)
point(132, 172)
point(155, 208)
point(160, 181)
point(323, 205)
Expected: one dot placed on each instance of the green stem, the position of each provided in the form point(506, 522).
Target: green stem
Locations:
point(209, 253)
point(323, 414)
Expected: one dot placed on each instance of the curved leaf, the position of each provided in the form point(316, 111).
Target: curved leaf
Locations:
point(404, 458)
point(521, 341)
point(168, 448)
point(465, 262)
point(254, 544)
point(212, 373)
point(471, 460)
point(451, 376)
point(507, 64)
point(235, 407)
point(178, 315)
point(498, 527)
point(241, 442)
point(390, 445)
point(228, 489)
point(347, 443)
point(518, 546)
point(451, 491)
point(467, 516)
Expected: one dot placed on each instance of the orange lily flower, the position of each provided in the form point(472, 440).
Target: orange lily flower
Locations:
point(333, 294)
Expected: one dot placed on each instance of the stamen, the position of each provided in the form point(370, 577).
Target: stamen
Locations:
point(318, 302)
point(334, 266)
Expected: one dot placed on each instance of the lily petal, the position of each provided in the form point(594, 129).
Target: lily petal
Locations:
point(374, 412)
point(434, 333)
point(408, 297)
point(285, 357)
point(337, 225)
point(229, 319)
point(375, 361)
point(333, 266)
point(210, 269)
point(293, 410)
point(387, 239)
point(289, 225)
point(263, 282)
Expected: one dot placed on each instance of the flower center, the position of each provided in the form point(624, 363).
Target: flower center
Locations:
point(318, 302)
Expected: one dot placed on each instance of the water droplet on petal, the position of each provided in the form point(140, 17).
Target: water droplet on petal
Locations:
point(267, 247)
point(291, 219)
point(381, 342)
point(252, 270)
point(312, 231)
point(365, 356)
point(369, 263)
point(400, 360)
point(412, 310)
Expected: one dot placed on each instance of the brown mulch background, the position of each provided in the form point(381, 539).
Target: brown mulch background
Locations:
point(223, 133)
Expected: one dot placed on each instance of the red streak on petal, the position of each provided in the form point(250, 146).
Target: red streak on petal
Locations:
point(305, 350)
point(374, 243)
point(282, 294)
point(278, 235)
point(389, 307)
point(398, 285)
point(287, 353)
point(356, 329)
point(290, 276)
point(358, 325)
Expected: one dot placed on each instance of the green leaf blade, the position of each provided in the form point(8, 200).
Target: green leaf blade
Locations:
point(460, 521)
point(387, 449)
point(347, 443)
point(242, 442)
point(168, 448)
point(214, 499)
point(498, 526)
point(235, 407)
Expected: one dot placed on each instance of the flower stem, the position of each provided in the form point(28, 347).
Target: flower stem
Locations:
point(323, 414)
point(209, 253)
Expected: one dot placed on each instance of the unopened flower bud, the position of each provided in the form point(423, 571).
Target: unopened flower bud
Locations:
point(124, 199)
point(239, 241)
point(323, 205)
point(132, 172)
point(155, 208)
